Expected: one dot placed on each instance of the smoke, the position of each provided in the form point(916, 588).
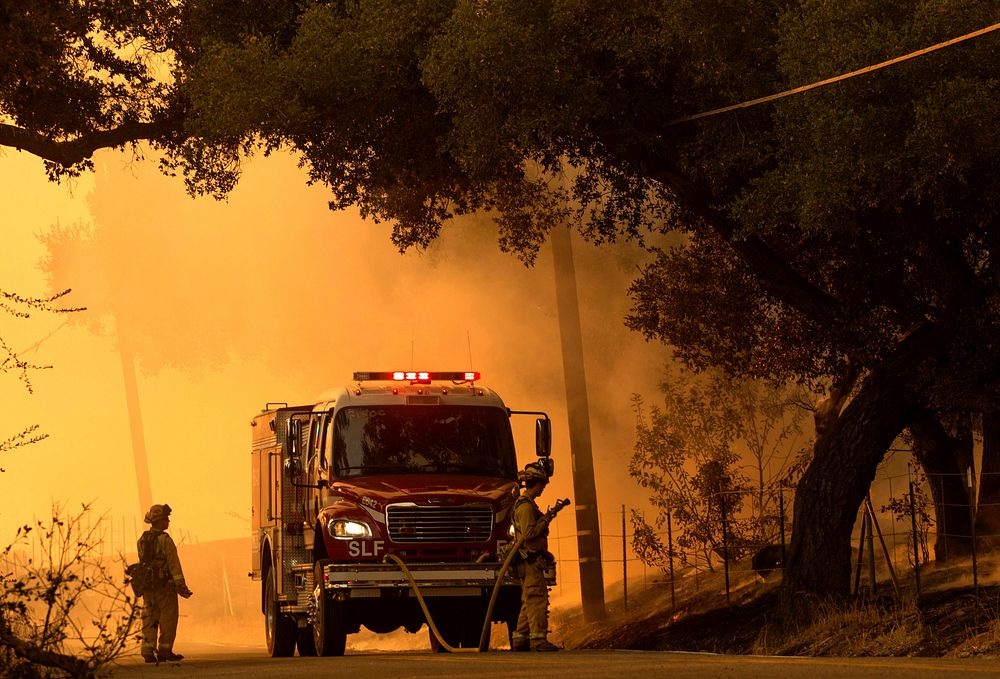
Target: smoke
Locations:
point(270, 296)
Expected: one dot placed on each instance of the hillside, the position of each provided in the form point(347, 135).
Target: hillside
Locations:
point(948, 620)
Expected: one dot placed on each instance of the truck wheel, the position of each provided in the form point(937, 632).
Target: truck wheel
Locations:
point(279, 629)
point(329, 635)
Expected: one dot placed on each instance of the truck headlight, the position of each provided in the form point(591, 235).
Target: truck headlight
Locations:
point(347, 529)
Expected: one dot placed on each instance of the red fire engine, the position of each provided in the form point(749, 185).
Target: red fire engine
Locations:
point(383, 506)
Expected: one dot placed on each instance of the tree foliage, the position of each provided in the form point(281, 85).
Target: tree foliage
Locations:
point(842, 238)
point(78, 76)
point(914, 507)
point(715, 445)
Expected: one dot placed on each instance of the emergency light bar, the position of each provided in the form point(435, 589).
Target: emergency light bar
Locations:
point(415, 376)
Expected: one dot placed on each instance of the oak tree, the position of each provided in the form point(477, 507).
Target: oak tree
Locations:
point(841, 238)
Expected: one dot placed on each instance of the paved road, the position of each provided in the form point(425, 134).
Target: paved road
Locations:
point(575, 664)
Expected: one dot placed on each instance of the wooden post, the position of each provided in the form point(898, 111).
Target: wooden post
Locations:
point(624, 563)
point(670, 557)
point(861, 555)
point(725, 543)
point(578, 413)
point(913, 528)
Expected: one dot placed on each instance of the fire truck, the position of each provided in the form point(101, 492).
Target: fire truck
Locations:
point(388, 505)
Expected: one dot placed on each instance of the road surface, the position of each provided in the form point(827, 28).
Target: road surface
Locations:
point(252, 664)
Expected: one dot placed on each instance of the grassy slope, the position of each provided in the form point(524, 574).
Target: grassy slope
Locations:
point(949, 620)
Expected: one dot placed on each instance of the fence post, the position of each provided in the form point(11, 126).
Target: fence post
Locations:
point(871, 552)
point(943, 528)
point(861, 555)
point(913, 528)
point(781, 527)
point(972, 529)
point(670, 556)
point(725, 543)
point(624, 563)
point(881, 540)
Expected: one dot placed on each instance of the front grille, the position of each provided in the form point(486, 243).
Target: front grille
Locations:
point(413, 523)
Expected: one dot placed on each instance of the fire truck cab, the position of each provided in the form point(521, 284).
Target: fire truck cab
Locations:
point(419, 465)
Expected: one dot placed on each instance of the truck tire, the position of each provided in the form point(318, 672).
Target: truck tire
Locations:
point(329, 635)
point(279, 629)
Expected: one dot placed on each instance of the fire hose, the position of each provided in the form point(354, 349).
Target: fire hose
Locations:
point(484, 637)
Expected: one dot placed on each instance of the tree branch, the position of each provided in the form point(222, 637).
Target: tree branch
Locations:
point(775, 275)
point(68, 663)
point(69, 152)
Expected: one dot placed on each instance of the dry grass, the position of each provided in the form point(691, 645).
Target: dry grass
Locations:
point(950, 619)
point(860, 628)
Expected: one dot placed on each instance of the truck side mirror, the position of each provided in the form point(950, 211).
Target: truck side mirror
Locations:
point(293, 467)
point(292, 433)
point(543, 437)
point(549, 465)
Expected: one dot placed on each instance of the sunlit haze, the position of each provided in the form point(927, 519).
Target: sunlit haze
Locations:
point(270, 296)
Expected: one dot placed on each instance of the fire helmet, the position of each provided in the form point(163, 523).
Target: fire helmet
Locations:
point(533, 472)
point(157, 512)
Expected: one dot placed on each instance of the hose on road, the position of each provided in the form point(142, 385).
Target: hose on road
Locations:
point(484, 637)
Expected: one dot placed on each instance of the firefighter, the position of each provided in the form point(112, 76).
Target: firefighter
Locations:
point(530, 522)
point(159, 601)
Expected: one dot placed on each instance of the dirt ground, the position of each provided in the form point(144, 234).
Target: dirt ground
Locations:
point(951, 618)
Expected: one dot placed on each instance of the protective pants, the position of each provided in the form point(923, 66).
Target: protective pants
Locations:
point(533, 621)
point(159, 613)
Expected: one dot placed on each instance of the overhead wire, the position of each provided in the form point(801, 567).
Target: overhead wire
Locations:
point(838, 78)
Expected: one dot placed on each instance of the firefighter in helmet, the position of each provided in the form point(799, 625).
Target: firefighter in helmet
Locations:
point(159, 601)
point(531, 523)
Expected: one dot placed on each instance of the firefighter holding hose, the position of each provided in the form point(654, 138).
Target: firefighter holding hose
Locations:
point(531, 523)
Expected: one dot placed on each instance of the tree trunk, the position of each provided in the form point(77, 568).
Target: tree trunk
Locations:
point(135, 424)
point(945, 459)
point(838, 478)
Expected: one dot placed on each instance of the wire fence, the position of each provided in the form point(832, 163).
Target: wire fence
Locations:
point(909, 522)
point(626, 574)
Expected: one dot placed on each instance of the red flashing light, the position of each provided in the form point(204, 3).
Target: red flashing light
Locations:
point(421, 376)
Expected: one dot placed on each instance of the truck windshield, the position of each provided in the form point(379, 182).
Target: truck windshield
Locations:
point(415, 439)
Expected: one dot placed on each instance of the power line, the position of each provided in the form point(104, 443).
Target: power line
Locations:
point(835, 79)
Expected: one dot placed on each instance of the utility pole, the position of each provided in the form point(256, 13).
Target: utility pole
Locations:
point(588, 537)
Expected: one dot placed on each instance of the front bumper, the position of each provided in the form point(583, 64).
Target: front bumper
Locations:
point(387, 580)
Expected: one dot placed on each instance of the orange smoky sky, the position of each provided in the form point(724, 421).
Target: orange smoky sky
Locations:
point(270, 296)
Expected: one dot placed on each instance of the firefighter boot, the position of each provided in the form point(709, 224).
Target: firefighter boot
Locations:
point(544, 645)
point(169, 656)
point(519, 642)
